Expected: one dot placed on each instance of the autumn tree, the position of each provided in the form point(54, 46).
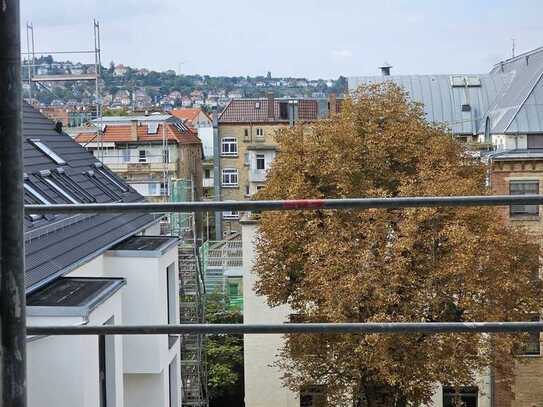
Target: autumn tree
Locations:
point(384, 265)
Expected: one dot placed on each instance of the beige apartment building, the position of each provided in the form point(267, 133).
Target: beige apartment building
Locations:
point(247, 129)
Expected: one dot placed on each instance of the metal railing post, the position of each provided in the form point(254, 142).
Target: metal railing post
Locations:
point(12, 289)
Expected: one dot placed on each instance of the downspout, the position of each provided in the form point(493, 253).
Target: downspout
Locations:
point(217, 173)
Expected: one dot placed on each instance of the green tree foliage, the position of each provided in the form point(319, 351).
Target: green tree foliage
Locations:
point(224, 355)
point(412, 265)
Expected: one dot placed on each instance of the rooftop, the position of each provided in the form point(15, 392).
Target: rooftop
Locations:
point(146, 245)
point(68, 296)
point(62, 171)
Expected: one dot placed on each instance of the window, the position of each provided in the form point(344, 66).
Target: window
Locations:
point(259, 187)
point(60, 176)
point(257, 105)
point(34, 193)
point(233, 289)
point(283, 110)
point(467, 396)
point(110, 177)
point(126, 155)
point(153, 188)
point(229, 146)
point(246, 159)
point(164, 189)
point(230, 177)
point(207, 173)
point(48, 152)
point(524, 188)
point(535, 141)
point(260, 162)
point(230, 215)
point(152, 128)
point(63, 192)
point(246, 137)
point(166, 156)
point(312, 396)
point(142, 156)
point(532, 346)
point(98, 183)
point(247, 191)
point(259, 133)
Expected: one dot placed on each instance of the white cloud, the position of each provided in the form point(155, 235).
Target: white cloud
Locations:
point(342, 53)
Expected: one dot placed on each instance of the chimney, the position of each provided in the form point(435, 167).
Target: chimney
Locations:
point(332, 104)
point(385, 69)
point(271, 107)
point(134, 130)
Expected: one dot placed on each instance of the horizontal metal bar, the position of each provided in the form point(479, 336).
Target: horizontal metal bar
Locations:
point(361, 328)
point(306, 204)
point(57, 52)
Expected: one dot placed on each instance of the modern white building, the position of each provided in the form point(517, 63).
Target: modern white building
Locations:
point(95, 269)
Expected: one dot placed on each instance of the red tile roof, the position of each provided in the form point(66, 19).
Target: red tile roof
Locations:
point(256, 110)
point(123, 133)
point(187, 114)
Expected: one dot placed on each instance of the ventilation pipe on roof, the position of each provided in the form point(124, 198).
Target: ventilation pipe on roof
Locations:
point(134, 130)
point(385, 69)
point(271, 102)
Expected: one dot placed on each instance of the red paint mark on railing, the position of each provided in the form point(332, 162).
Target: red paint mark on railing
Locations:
point(304, 203)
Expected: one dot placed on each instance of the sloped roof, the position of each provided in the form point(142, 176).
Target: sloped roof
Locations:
point(443, 102)
point(256, 111)
point(519, 109)
point(57, 244)
point(511, 96)
point(123, 133)
point(187, 114)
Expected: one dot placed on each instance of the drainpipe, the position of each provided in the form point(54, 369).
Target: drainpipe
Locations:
point(12, 288)
point(217, 173)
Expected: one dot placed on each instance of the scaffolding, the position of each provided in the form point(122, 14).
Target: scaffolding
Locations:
point(46, 80)
point(192, 297)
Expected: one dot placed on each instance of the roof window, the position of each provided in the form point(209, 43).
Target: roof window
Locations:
point(60, 176)
point(152, 128)
point(47, 151)
point(111, 178)
point(46, 177)
point(98, 183)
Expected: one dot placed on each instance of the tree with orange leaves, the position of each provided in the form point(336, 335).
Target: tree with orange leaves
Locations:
point(389, 265)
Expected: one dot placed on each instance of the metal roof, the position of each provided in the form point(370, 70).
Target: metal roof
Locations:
point(511, 96)
point(55, 245)
point(442, 102)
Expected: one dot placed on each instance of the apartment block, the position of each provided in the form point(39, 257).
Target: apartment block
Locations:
point(94, 269)
point(247, 130)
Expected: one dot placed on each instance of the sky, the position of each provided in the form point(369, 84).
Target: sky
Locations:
point(300, 38)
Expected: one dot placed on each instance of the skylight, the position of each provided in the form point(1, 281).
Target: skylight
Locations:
point(35, 194)
point(46, 176)
point(48, 152)
point(152, 128)
point(100, 169)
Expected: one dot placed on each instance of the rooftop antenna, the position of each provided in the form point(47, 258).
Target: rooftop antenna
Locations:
point(513, 43)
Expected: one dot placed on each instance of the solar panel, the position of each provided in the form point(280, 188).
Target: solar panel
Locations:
point(65, 180)
point(102, 187)
point(35, 193)
point(47, 151)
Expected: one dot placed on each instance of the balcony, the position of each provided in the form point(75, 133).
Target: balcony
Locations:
point(138, 165)
point(257, 175)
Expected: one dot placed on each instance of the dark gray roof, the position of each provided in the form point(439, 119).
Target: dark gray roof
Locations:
point(511, 96)
point(68, 296)
point(58, 244)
